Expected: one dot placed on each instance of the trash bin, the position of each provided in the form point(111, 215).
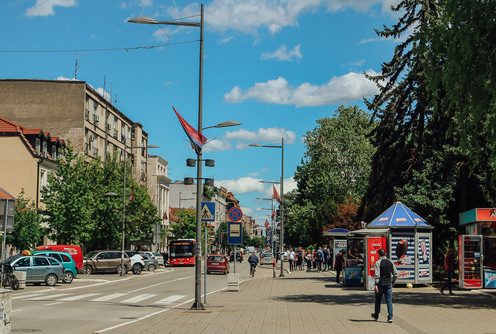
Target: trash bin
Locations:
point(233, 282)
point(21, 277)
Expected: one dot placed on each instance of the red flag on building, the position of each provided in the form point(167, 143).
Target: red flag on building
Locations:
point(275, 194)
point(273, 214)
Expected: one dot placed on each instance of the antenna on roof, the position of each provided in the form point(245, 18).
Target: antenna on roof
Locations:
point(76, 65)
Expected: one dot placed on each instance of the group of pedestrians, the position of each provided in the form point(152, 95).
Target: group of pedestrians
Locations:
point(319, 259)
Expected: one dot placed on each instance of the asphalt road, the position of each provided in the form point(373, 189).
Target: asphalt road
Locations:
point(94, 303)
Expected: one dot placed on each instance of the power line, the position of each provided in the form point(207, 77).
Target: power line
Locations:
point(97, 50)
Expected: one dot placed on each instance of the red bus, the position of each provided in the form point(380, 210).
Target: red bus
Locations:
point(182, 252)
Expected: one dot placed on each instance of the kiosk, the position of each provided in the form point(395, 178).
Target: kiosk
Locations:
point(477, 249)
point(337, 242)
point(409, 241)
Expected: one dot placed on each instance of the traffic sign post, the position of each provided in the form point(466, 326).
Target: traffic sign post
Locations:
point(235, 214)
point(207, 211)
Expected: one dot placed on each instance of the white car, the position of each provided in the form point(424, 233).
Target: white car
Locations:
point(266, 258)
point(137, 262)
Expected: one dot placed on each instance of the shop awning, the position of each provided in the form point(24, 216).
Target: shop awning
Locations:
point(336, 232)
point(399, 216)
point(366, 231)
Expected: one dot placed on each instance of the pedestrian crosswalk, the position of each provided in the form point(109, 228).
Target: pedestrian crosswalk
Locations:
point(122, 298)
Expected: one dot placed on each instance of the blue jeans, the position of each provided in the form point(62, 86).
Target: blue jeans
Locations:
point(387, 291)
point(449, 273)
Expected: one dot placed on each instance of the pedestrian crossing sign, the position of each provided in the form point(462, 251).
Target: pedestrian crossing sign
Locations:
point(207, 211)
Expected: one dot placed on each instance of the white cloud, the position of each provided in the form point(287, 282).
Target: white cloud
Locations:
point(105, 94)
point(338, 90)
point(246, 210)
point(282, 54)
point(66, 79)
point(272, 135)
point(249, 16)
point(242, 185)
point(45, 7)
point(216, 145)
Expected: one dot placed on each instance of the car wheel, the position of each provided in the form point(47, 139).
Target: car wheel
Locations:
point(68, 277)
point(137, 268)
point(87, 270)
point(151, 267)
point(51, 279)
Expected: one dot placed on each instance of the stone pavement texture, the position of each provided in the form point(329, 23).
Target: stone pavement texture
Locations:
point(311, 302)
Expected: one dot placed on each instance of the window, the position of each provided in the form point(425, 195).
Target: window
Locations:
point(38, 146)
point(55, 256)
point(40, 261)
point(26, 262)
point(54, 152)
point(65, 258)
point(45, 149)
point(53, 262)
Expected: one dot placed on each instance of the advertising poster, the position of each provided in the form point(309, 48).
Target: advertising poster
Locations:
point(373, 246)
point(489, 278)
point(424, 251)
point(403, 255)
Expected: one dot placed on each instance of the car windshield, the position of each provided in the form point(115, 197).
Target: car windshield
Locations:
point(157, 254)
point(266, 255)
point(90, 255)
point(215, 258)
point(11, 259)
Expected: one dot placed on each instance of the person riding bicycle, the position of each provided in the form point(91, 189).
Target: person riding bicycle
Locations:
point(253, 261)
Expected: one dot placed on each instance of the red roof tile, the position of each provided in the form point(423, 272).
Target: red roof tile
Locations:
point(5, 195)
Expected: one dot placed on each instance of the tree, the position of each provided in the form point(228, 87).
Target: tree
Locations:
point(186, 227)
point(334, 171)
point(27, 224)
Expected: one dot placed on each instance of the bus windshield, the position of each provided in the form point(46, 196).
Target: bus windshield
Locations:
point(181, 249)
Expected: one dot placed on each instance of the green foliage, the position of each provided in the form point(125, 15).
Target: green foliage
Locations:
point(27, 231)
point(336, 167)
point(79, 209)
point(186, 227)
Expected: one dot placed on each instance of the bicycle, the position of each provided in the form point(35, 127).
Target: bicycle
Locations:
point(252, 269)
point(8, 278)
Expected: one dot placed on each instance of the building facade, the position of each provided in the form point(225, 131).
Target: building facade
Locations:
point(78, 113)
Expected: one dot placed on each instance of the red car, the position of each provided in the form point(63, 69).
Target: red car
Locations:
point(217, 263)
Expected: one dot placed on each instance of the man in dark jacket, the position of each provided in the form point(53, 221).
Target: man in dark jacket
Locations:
point(253, 261)
point(338, 265)
point(385, 276)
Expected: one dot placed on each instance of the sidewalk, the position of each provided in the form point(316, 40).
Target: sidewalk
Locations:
point(311, 302)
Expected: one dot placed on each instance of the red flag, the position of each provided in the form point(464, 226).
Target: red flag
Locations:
point(273, 214)
point(275, 194)
point(132, 195)
point(196, 138)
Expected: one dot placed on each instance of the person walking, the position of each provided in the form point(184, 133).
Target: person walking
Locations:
point(326, 258)
point(385, 277)
point(309, 260)
point(450, 261)
point(338, 265)
point(319, 257)
point(291, 259)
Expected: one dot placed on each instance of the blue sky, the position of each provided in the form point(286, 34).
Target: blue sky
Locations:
point(274, 65)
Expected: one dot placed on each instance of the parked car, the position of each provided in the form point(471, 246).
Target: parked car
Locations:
point(105, 262)
point(266, 258)
point(66, 260)
point(38, 268)
point(137, 261)
point(150, 263)
point(217, 263)
point(156, 256)
point(73, 250)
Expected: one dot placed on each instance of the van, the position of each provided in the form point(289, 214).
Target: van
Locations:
point(74, 251)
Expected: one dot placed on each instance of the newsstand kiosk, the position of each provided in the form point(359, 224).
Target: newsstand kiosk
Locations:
point(409, 241)
point(477, 249)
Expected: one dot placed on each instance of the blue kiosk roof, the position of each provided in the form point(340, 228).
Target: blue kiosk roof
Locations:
point(336, 232)
point(398, 216)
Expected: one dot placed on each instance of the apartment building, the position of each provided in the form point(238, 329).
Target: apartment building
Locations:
point(158, 188)
point(77, 112)
point(27, 156)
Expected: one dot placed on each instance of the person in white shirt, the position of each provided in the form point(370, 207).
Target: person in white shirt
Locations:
point(291, 258)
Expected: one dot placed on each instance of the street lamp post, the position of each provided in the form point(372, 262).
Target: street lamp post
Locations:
point(281, 206)
point(197, 305)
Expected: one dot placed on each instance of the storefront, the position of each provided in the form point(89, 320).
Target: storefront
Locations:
point(477, 249)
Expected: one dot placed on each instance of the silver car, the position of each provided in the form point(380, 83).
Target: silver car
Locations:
point(39, 269)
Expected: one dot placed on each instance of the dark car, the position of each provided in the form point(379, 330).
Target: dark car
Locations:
point(150, 263)
point(105, 262)
point(239, 257)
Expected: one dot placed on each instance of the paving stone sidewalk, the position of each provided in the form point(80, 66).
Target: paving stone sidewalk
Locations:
point(311, 302)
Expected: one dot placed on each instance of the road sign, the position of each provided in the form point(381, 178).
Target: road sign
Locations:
point(208, 211)
point(234, 233)
point(235, 214)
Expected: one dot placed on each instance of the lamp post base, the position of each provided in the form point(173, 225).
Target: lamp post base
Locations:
point(197, 306)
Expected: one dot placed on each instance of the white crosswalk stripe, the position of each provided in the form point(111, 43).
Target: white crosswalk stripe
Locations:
point(48, 297)
point(67, 299)
point(108, 297)
point(169, 300)
point(28, 296)
point(138, 299)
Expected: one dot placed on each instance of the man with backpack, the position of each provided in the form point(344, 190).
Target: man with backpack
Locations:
point(319, 257)
point(325, 251)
